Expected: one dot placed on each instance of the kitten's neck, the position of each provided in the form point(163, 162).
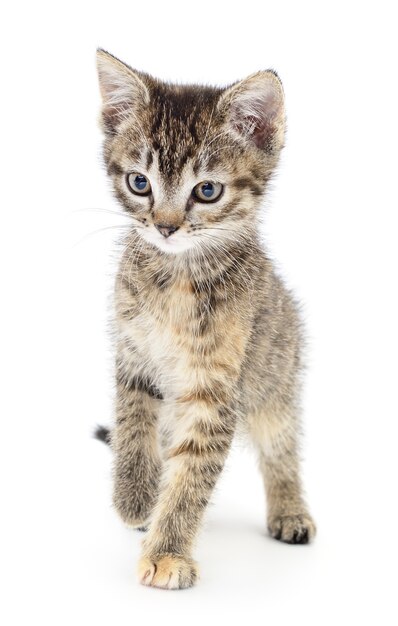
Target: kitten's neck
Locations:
point(200, 264)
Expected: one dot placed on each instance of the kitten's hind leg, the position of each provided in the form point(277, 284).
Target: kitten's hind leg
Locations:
point(275, 435)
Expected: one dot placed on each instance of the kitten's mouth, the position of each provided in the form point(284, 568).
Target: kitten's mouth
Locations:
point(173, 243)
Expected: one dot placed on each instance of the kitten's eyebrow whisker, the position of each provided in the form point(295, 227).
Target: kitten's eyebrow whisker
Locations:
point(212, 154)
point(223, 132)
point(203, 153)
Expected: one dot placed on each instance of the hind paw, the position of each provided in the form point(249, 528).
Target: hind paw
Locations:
point(292, 528)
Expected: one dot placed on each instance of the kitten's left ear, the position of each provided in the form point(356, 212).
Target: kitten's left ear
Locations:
point(254, 110)
point(122, 90)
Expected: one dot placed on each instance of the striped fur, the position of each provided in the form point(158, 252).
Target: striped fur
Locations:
point(208, 338)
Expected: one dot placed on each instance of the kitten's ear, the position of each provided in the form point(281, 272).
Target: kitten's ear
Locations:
point(122, 90)
point(254, 109)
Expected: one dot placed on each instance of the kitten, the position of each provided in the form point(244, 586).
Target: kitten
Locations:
point(208, 338)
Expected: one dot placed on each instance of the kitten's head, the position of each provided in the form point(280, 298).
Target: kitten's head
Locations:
point(190, 163)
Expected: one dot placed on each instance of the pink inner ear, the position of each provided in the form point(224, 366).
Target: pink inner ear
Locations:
point(260, 129)
point(255, 115)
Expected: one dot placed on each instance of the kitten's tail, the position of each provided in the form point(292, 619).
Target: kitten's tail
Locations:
point(103, 434)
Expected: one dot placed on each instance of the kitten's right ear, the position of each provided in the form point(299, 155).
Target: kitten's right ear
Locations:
point(122, 90)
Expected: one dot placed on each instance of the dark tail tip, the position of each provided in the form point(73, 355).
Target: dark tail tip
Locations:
point(103, 434)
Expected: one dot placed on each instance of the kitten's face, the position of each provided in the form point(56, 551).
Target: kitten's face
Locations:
point(190, 163)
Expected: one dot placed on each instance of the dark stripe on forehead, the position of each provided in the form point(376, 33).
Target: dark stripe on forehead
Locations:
point(196, 167)
point(180, 117)
point(173, 158)
point(149, 159)
point(193, 124)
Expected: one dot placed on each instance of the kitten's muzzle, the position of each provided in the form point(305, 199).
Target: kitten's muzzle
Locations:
point(166, 229)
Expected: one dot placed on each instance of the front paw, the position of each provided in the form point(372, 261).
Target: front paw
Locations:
point(167, 571)
point(133, 506)
point(292, 528)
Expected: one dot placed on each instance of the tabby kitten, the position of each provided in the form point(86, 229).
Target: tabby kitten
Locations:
point(208, 338)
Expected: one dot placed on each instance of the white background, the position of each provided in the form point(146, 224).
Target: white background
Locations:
point(331, 224)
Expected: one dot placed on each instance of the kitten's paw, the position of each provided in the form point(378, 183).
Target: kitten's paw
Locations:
point(132, 512)
point(131, 518)
point(167, 572)
point(292, 528)
point(139, 525)
point(134, 501)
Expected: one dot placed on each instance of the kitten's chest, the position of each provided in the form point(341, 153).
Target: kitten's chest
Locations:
point(166, 328)
point(173, 308)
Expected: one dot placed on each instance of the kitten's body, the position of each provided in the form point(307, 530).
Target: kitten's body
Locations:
point(207, 334)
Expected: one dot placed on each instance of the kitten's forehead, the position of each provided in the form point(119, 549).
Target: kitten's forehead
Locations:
point(180, 120)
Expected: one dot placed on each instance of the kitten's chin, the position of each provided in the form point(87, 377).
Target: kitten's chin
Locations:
point(175, 244)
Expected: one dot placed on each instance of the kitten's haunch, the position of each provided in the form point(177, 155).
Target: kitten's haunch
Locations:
point(209, 340)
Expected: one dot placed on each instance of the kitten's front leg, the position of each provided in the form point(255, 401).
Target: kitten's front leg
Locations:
point(205, 430)
point(137, 459)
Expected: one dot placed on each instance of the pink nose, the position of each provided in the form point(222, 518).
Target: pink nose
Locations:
point(166, 229)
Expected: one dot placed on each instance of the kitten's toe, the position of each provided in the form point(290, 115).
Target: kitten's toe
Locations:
point(292, 528)
point(167, 572)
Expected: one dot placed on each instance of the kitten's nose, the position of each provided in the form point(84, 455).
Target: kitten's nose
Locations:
point(166, 229)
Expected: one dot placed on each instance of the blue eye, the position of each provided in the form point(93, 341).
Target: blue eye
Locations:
point(138, 183)
point(208, 191)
